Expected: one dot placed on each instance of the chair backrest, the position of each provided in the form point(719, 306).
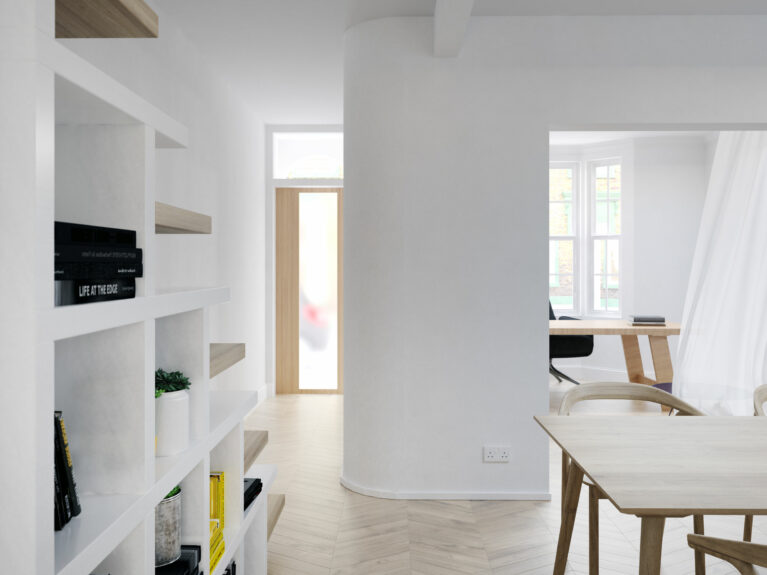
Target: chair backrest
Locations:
point(742, 554)
point(551, 311)
point(760, 398)
point(628, 391)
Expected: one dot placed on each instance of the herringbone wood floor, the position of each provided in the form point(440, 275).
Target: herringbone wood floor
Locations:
point(326, 529)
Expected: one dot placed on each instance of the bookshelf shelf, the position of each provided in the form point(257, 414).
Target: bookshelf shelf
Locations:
point(255, 441)
point(275, 504)
point(74, 320)
point(103, 523)
point(234, 537)
point(225, 355)
point(105, 19)
point(95, 362)
point(172, 220)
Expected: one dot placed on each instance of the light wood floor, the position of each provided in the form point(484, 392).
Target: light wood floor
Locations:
point(326, 529)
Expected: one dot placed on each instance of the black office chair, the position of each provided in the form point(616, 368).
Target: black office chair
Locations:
point(562, 346)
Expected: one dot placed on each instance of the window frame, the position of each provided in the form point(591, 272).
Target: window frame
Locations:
point(574, 237)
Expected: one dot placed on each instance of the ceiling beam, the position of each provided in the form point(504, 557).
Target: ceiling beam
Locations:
point(451, 17)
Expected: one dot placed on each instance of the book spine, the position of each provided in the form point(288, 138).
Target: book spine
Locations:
point(72, 292)
point(216, 557)
point(97, 270)
point(69, 233)
point(59, 517)
point(221, 505)
point(95, 254)
point(59, 465)
point(71, 484)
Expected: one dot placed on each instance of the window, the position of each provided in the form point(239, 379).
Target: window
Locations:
point(308, 155)
point(585, 237)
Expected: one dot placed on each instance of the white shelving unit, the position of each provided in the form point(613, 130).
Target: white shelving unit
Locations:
point(96, 362)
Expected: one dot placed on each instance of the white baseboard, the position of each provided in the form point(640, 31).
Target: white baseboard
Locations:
point(460, 495)
point(271, 389)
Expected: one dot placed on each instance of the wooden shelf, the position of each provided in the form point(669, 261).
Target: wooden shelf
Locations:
point(275, 503)
point(172, 220)
point(255, 441)
point(225, 355)
point(105, 19)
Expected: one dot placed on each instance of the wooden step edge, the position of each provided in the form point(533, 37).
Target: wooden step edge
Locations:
point(274, 505)
point(225, 355)
point(255, 441)
point(173, 220)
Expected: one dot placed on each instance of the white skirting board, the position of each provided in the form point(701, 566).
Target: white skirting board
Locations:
point(455, 495)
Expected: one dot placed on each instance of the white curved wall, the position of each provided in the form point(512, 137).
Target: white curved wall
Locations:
point(446, 222)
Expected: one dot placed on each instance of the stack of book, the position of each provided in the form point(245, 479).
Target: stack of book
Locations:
point(253, 487)
point(66, 501)
point(217, 546)
point(231, 569)
point(94, 263)
point(648, 320)
point(187, 564)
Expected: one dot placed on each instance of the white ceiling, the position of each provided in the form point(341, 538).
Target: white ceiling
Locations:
point(285, 57)
point(584, 138)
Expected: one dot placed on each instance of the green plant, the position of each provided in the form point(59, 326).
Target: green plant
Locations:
point(175, 491)
point(165, 382)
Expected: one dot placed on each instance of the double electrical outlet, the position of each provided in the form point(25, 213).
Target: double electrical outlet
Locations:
point(496, 453)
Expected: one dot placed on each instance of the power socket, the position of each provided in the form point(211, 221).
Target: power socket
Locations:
point(496, 453)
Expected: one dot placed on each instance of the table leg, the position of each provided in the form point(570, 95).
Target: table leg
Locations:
point(661, 358)
point(572, 494)
point(633, 359)
point(651, 544)
point(700, 557)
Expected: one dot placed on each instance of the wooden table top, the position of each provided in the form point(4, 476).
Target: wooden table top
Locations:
point(609, 327)
point(670, 466)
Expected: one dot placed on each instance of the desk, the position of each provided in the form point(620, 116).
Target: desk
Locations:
point(658, 336)
point(658, 467)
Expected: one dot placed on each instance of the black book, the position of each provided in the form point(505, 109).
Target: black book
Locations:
point(648, 319)
point(253, 487)
point(97, 271)
point(96, 254)
point(70, 486)
point(59, 513)
point(71, 292)
point(61, 475)
point(68, 233)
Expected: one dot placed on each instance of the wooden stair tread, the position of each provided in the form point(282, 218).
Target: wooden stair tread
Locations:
point(225, 355)
point(255, 441)
point(105, 19)
point(274, 504)
point(173, 220)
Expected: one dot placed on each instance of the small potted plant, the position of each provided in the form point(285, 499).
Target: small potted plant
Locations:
point(167, 528)
point(171, 412)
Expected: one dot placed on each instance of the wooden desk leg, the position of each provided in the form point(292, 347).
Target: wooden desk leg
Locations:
point(572, 494)
point(651, 545)
point(700, 557)
point(633, 359)
point(661, 358)
point(565, 467)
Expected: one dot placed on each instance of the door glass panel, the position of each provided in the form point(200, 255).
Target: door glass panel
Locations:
point(318, 290)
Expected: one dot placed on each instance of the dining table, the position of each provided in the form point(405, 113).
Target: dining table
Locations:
point(657, 467)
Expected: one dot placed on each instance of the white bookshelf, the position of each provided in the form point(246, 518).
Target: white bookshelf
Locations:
point(96, 362)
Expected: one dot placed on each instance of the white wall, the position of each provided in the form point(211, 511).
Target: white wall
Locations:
point(221, 174)
point(446, 221)
point(668, 188)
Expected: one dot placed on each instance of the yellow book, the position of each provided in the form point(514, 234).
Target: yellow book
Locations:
point(215, 557)
point(215, 541)
point(217, 488)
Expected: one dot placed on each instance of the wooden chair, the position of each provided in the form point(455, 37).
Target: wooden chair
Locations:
point(622, 391)
point(760, 398)
point(746, 557)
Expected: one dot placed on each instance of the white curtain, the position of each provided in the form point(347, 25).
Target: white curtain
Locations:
point(723, 345)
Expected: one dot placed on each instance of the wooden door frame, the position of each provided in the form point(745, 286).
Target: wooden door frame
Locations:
point(286, 289)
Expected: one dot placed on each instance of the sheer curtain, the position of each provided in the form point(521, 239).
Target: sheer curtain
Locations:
point(723, 344)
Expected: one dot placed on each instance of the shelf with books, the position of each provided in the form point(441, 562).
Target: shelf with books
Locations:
point(71, 321)
point(225, 355)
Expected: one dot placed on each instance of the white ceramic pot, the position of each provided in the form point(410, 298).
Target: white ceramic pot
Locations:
point(171, 422)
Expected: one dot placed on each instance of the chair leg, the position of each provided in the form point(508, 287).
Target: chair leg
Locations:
point(748, 527)
point(565, 469)
point(593, 530)
point(700, 557)
point(560, 376)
